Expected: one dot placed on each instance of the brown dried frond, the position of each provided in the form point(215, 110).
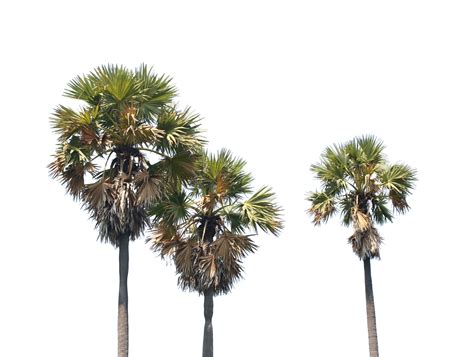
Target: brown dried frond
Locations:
point(186, 258)
point(91, 167)
point(165, 239)
point(150, 188)
point(236, 246)
point(225, 249)
point(73, 178)
point(70, 176)
point(207, 267)
point(119, 213)
point(98, 194)
point(89, 136)
point(399, 201)
point(361, 220)
point(56, 167)
point(366, 243)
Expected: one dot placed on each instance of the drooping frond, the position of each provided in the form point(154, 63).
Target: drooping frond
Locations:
point(380, 212)
point(322, 207)
point(165, 239)
point(116, 212)
point(204, 265)
point(345, 204)
point(366, 243)
point(399, 180)
point(186, 258)
point(150, 187)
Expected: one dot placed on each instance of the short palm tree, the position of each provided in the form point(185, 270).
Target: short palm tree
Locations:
point(358, 182)
point(206, 229)
point(119, 152)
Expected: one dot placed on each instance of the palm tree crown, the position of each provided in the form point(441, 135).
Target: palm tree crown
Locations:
point(206, 226)
point(102, 150)
point(358, 182)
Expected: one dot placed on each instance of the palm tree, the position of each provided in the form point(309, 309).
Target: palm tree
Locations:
point(102, 151)
point(206, 227)
point(358, 182)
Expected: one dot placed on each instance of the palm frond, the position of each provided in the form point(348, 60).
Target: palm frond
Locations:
point(323, 206)
point(346, 203)
point(165, 239)
point(98, 194)
point(223, 174)
point(178, 167)
point(399, 178)
point(70, 168)
point(233, 219)
point(83, 88)
point(174, 209)
point(180, 128)
point(66, 122)
point(361, 220)
point(156, 92)
point(380, 211)
point(370, 149)
point(186, 259)
point(117, 82)
point(260, 210)
point(150, 188)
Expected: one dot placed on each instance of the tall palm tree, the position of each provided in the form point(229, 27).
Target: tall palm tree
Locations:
point(358, 182)
point(119, 152)
point(206, 229)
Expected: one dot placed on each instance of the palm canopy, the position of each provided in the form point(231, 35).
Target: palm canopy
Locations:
point(124, 145)
point(206, 227)
point(358, 182)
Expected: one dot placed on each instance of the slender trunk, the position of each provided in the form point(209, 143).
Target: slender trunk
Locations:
point(208, 343)
point(123, 297)
point(370, 305)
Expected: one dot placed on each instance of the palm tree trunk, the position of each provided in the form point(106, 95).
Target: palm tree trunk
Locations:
point(370, 305)
point(208, 343)
point(123, 297)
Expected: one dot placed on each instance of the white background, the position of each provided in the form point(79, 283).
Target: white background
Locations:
point(276, 82)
